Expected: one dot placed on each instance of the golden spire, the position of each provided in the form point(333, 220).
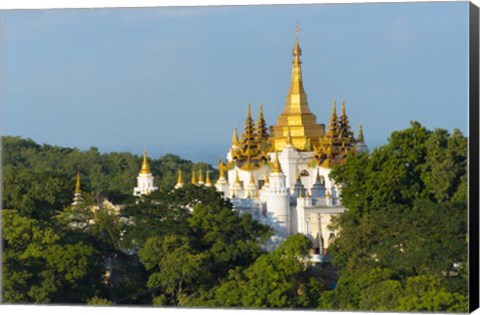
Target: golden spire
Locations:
point(296, 113)
point(262, 129)
point(248, 136)
point(328, 193)
point(256, 194)
point(208, 183)
point(360, 133)
point(145, 168)
point(235, 137)
point(194, 180)
point(307, 195)
point(180, 179)
point(300, 193)
point(237, 180)
point(77, 185)
point(200, 177)
point(277, 168)
point(333, 127)
point(77, 197)
point(345, 133)
point(296, 99)
point(252, 180)
point(334, 108)
point(317, 179)
point(220, 168)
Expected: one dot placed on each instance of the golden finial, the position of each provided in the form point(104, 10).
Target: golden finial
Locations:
point(200, 177)
point(207, 179)
point(248, 194)
point(235, 137)
point(194, 180)
point(77, 185)
point(360, 133)
point(277, 168)
point(343, 107)
point(220, 168)
point(298, 176)
point(249, 111)
point(233, 194)
point(328, 193)
point(256, 194)
point(297, 29)
point(307, 195)
point(252, 180)
point(145, 168)
point(334, 107)
point(300, 193)
point(296, 49)
point(260, 115)
point(317, 179)
point(180, 179)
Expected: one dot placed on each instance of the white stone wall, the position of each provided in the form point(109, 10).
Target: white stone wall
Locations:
point(144, 185)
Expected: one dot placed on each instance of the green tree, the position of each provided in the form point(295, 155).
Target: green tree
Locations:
point(39, 268)
point(189, 239)
point(283, 278)
point(407, 217)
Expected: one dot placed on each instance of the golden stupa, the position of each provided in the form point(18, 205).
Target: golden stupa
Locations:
point(296, 117)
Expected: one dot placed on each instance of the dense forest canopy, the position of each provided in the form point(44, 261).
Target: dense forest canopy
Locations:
point(39, 179)
point(402, 246)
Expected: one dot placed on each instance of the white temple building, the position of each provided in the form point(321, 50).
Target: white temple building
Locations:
point(280, 174)
point(144, 179)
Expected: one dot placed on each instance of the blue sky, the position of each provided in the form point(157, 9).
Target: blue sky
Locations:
point(179, 79)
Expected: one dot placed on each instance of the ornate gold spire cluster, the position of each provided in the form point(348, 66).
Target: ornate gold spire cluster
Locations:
point(296, 116)
point(194, 180)
point(250, 152)
point(337, 142)
point(296, 127)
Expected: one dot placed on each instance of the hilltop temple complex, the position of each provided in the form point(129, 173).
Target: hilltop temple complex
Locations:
point(280, 173)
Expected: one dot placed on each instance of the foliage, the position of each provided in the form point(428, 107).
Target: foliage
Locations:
point(283, 278)
point(406, 219)
point(98, 301)
point(39, 267)
point(189, 250)
point(402, 245)
point(40, 179)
